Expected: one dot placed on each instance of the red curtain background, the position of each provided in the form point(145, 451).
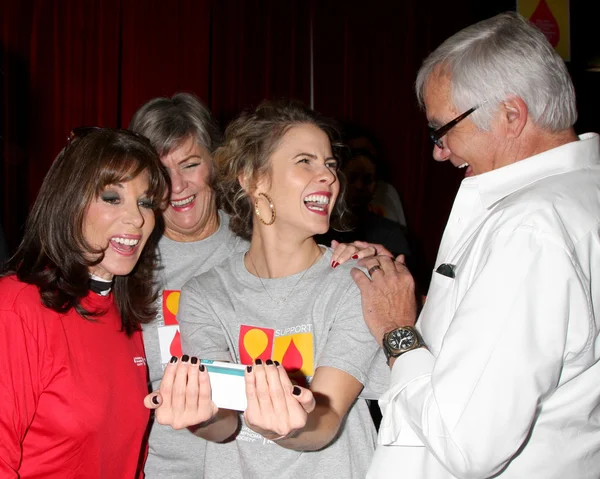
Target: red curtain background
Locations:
point(164, 48)
point(67, 63)
point(60, 69)
point(260, 49)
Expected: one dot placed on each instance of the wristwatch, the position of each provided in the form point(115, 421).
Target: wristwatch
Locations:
point(401, 340)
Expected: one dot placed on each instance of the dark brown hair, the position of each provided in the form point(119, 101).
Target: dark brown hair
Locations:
point(250, 140)
point(54, 254)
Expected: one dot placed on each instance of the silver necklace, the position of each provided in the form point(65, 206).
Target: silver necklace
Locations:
point(281, 301)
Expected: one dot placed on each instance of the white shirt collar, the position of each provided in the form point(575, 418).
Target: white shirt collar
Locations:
point(497, 184)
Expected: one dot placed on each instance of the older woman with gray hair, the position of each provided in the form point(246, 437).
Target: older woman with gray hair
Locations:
point(196, 238)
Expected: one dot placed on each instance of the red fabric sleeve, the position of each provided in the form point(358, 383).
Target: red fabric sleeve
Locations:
point(19, 388)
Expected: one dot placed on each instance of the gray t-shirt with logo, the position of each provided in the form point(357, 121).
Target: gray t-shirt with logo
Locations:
point(304, 321)
point(179, 454)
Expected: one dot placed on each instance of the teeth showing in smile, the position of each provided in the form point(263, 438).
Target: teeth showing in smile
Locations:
point(126, 241)
point(312, 202)
point(320, 199)
point(186, 201)
point(464, 165)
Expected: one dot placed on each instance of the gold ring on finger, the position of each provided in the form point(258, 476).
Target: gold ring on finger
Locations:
point(372, 269)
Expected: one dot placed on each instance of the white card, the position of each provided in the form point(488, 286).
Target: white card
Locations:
point(227, 384)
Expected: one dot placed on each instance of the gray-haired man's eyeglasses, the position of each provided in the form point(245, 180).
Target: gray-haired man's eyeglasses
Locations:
point(437, 135)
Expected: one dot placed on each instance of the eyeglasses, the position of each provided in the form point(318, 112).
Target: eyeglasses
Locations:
point(437, 135)
point(80, 132)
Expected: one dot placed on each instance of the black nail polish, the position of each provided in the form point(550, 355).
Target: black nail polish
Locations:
point(194, 360)
point(155, 400)
point(202, 368)
point(296, 391)
point(185, 358)
point(249, 369)
point(258, 362)
point(276, 363)
point(269, 362)
point(173, 359)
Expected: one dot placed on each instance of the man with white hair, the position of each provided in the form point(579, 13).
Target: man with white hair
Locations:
point(500, 376)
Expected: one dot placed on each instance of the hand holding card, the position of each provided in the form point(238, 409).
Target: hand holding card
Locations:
point(276, 408)
point(185, 395)
point(221, 382)
point(192, 393)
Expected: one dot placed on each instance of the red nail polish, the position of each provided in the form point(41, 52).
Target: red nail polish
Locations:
point(335, 264)
point(354, 256)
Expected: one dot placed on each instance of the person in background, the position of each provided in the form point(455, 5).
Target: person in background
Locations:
point(385, 199)
point(196, 237)
point(278, 175)
point(71, 303)
point(360, 170)
point(499, 378)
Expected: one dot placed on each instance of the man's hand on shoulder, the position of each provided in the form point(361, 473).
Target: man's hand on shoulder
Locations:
point(388, 294)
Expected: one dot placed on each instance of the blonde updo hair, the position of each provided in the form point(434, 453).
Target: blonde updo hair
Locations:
point(250, 140)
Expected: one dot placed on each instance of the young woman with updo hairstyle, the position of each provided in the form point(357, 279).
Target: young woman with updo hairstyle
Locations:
point(197, 236)
point(282, 310)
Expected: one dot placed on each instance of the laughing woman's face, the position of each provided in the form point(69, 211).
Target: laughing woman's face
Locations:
point(119, 221)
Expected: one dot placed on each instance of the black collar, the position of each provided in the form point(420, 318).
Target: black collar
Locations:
point(100, 287)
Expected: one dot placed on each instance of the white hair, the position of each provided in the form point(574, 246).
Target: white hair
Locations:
point(501, 57)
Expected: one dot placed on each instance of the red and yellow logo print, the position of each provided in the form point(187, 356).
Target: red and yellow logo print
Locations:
point(294, 352)
point(170, 306)
point(255, 343)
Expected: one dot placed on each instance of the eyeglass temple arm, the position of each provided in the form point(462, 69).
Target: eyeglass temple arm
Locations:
point(448, 126)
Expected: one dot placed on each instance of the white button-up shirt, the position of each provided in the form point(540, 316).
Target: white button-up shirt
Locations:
point(510, 383)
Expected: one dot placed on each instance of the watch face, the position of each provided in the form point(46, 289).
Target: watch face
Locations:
point(402, 339)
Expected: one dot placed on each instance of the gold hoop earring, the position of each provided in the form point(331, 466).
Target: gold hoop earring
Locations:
point(271, 206)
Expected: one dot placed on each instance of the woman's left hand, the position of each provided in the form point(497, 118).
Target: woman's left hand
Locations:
point(184, 398)
point(276, 407)
point(342, 252)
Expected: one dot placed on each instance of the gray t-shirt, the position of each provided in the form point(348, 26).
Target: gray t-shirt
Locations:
point(179, 454)
point(228, 314)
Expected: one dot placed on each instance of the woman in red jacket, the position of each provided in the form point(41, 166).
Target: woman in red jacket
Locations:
point(71, 304)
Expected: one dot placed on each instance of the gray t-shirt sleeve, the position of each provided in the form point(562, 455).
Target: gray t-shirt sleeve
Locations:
point(201, 332)
point(350, 346)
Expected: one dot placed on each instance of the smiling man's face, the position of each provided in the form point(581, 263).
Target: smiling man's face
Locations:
point(465, 146)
